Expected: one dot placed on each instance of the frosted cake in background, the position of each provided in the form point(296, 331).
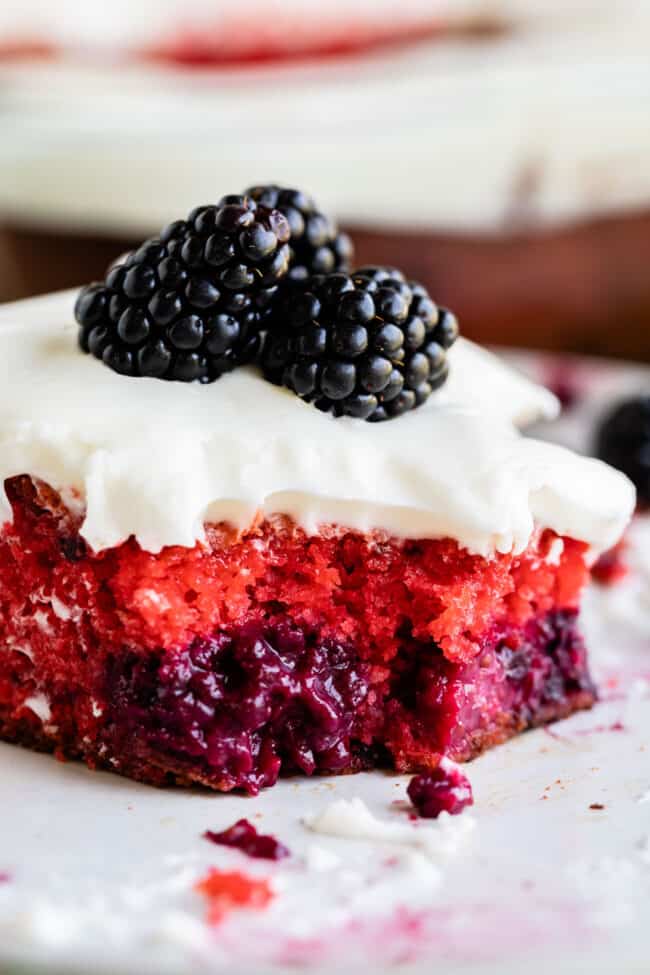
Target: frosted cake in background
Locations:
point(472, 147)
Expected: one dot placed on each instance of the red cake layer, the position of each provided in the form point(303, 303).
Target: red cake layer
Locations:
point(274, 650)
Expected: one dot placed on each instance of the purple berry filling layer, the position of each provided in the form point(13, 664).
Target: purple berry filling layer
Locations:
point(244, 706)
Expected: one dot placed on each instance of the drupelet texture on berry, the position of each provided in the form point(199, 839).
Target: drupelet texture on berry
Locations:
point(190, 304)
point(369, 345)
point(317, 246)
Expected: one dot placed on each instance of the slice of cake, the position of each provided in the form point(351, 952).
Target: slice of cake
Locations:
point(224, 579)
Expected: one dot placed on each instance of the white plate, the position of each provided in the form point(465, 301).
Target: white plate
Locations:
point(102, 870)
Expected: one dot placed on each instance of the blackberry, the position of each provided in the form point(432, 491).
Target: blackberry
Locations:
point(623, 440)
point(371, 345)
point(190, 304)
point(317, 246)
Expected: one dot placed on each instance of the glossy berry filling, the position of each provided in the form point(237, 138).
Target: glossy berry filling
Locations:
point(243, 706)
point(243, 836)
point(274, 651)
point(444, 789)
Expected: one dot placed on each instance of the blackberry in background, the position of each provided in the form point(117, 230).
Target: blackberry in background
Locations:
point(317, 246)
point(190, 304)
point(623, 440)
point(370, 345)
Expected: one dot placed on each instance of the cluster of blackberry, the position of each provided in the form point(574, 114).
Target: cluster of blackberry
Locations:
point(369, 345)
point(266, 275)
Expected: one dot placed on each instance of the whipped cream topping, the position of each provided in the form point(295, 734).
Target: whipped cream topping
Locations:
point(158, 459)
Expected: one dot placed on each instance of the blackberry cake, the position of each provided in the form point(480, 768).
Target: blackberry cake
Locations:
point(256, 523)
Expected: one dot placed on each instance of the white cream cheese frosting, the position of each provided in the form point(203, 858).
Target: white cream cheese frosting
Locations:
point(157, 460)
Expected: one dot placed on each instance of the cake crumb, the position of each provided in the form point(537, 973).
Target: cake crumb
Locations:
point(226, 891)
point(243, 836)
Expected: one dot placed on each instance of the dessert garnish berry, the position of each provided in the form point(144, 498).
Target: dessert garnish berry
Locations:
point(370, 345)
point(243, 836)
point(441, 790)
point(623, 440)
point(189, 304)
point(317, 246)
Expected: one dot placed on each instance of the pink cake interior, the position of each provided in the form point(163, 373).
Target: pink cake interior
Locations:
point(276, 651)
